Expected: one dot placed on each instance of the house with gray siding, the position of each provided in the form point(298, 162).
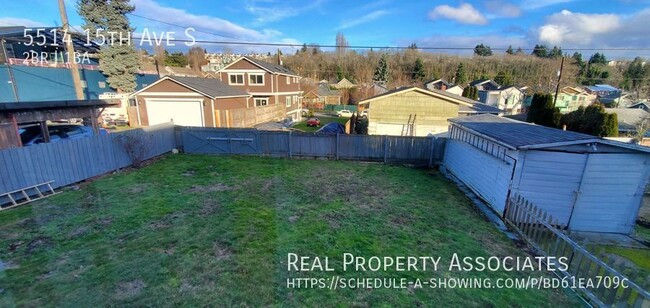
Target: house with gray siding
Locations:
point(587, 183)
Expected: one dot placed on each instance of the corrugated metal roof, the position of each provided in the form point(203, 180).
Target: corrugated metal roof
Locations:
point(515, 133)
point(209, 86)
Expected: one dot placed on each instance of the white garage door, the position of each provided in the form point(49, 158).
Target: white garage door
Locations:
point(185, 112)
point(487, 175)
point(611, 193)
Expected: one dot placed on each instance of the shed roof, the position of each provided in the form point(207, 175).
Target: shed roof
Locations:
point(521, 135)
point(435, 93)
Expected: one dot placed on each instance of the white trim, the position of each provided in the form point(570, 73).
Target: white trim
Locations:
point(253, 93)
point(250, 75)
point(214, 118)
point(243, 79)
point(246, 71)
point(188, 94)
point(287, 99)
point(261, 98)
point(137, 111)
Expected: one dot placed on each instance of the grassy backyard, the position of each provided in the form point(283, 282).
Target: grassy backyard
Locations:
point(213, 230)
point(323, 120)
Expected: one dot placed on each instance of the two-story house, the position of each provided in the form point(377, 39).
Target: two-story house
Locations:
point(508, 98)
point(570, 98)
point(273, 87)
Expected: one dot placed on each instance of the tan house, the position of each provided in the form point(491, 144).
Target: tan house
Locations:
point(418, 112)
point(193, 101)
point(269, 84)
point(344, 84)
point(319, 97)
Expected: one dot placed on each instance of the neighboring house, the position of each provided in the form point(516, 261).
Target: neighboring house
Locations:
point(437, 84)
point(641, 105)
point(509, 98)
point(602, 90)
point(584, 182)
point(193, 101)
point(484, 85)
point(370, 90)
point(269, 85)
point(344, 84)
point(322, 96)
point(390, 112)
point(458, 90)
point(615, 99)
point(628, 119)
point(570, 98)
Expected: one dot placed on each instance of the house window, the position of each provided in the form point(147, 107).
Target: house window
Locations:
point(84, 84)
point(256, 79)
point(101, 84)
point(295, 99)
point(259, 102)
point(288, 80)
point(236, 79)
point(132, 102)
point(287, 101)
point(574, 98)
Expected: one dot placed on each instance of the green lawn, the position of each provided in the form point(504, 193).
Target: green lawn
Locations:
point(323, 120)
point(197, 230)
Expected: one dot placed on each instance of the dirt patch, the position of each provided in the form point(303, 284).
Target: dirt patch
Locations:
point(209, 188)
point(138, 188)
point(37, 244)
point(293, 218)
point(333, 219)
point(15, 245)
point(221, 252)
point(127, 289)
point(81, 231)
point(209, 207)
point(166, 221)
point(89, 200)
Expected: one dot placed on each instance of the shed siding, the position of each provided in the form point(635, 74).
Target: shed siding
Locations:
point(611, 192)
point(550, 179)
point(487, 175)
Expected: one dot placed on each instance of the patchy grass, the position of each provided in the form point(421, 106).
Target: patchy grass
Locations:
point(211, 230)
point(323, 120)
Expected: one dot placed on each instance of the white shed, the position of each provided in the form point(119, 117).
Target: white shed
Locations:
point(588, 183)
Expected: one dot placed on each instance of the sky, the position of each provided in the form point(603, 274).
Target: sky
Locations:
point(572, 24)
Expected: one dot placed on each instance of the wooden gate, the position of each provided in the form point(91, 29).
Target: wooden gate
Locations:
point(220, 141)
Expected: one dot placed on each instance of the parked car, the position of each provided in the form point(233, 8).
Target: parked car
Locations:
point(31, 134)
point(313, 122)
point(114, 119)
point(364, 114)
point(344, 113)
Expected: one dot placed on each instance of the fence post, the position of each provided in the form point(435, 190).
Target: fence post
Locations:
point(337, 146)
point(433, 147)
point(385, 149)
point(289, 139)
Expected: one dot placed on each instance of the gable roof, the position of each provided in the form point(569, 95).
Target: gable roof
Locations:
point(572, 90)
point(324, 90)
point(435, 93)
point(521, 135)
point(209, 87)
point(344, 83)
point(482, 81)
point(628, 117)
point(269, 67)
point(434, 81)
point(640, 105)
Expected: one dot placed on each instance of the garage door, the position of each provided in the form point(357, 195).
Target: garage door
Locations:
point(185, 112)
point(550, 181)
point(486, 175)
point(611, 192)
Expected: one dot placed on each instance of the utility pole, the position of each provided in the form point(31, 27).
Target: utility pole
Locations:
point(76, 79)
point(559, 77)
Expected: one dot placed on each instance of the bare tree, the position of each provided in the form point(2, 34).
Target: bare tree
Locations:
point(341, 44)
point(197, 58)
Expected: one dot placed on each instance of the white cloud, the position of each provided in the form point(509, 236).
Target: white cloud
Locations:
point(465, 14)
point(207, 27)
point(367, 18)
point(12, 21)
point(501, 8)
point(577, 28)
point(267, 11)
point(538, 4)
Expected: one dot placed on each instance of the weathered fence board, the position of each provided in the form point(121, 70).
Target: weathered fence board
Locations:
point(71, 161)
point(417, 150)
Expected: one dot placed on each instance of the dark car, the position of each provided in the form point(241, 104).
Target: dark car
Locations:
point(32, 134)
point(313, 122)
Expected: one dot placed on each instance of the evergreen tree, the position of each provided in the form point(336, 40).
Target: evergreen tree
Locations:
point(503, 79)
point(519, 51)
point(510, 51)
point(598, 58)
point(118, 60)
point(635, 74)
point(592, 120)
point(540, 51)
point(177, 59)
point(543, 111)
point(339, 73)
point(418, 70)
point(381, 71)
point(461, 76)
point(482, 50)
point(303, 49)
point(413, 46)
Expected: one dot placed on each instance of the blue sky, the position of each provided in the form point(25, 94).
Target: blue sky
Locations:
point(498, 23)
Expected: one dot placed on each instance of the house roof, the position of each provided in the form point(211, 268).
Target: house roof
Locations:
point(324, 90)
point(209, 87)
point(60, 104)
point(472, 107)
point(521, 135)
point(482, 81)
point(572, 90)
point(602, 87)
point(344, 83)
point(437, 81)
point(640, 105)
point(270, 67)
point(435, 93)
point(628, 118)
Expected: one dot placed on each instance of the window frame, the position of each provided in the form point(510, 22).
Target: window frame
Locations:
point(230, 75)
point(287, 101)
point(256, 99)
point(250, 79)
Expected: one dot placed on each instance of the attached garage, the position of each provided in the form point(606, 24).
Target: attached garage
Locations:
point(587, 183)
point(187, 101)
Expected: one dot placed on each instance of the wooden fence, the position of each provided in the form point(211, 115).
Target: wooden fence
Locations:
point(387, 149)
point(539, 230)
point(72, 161)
